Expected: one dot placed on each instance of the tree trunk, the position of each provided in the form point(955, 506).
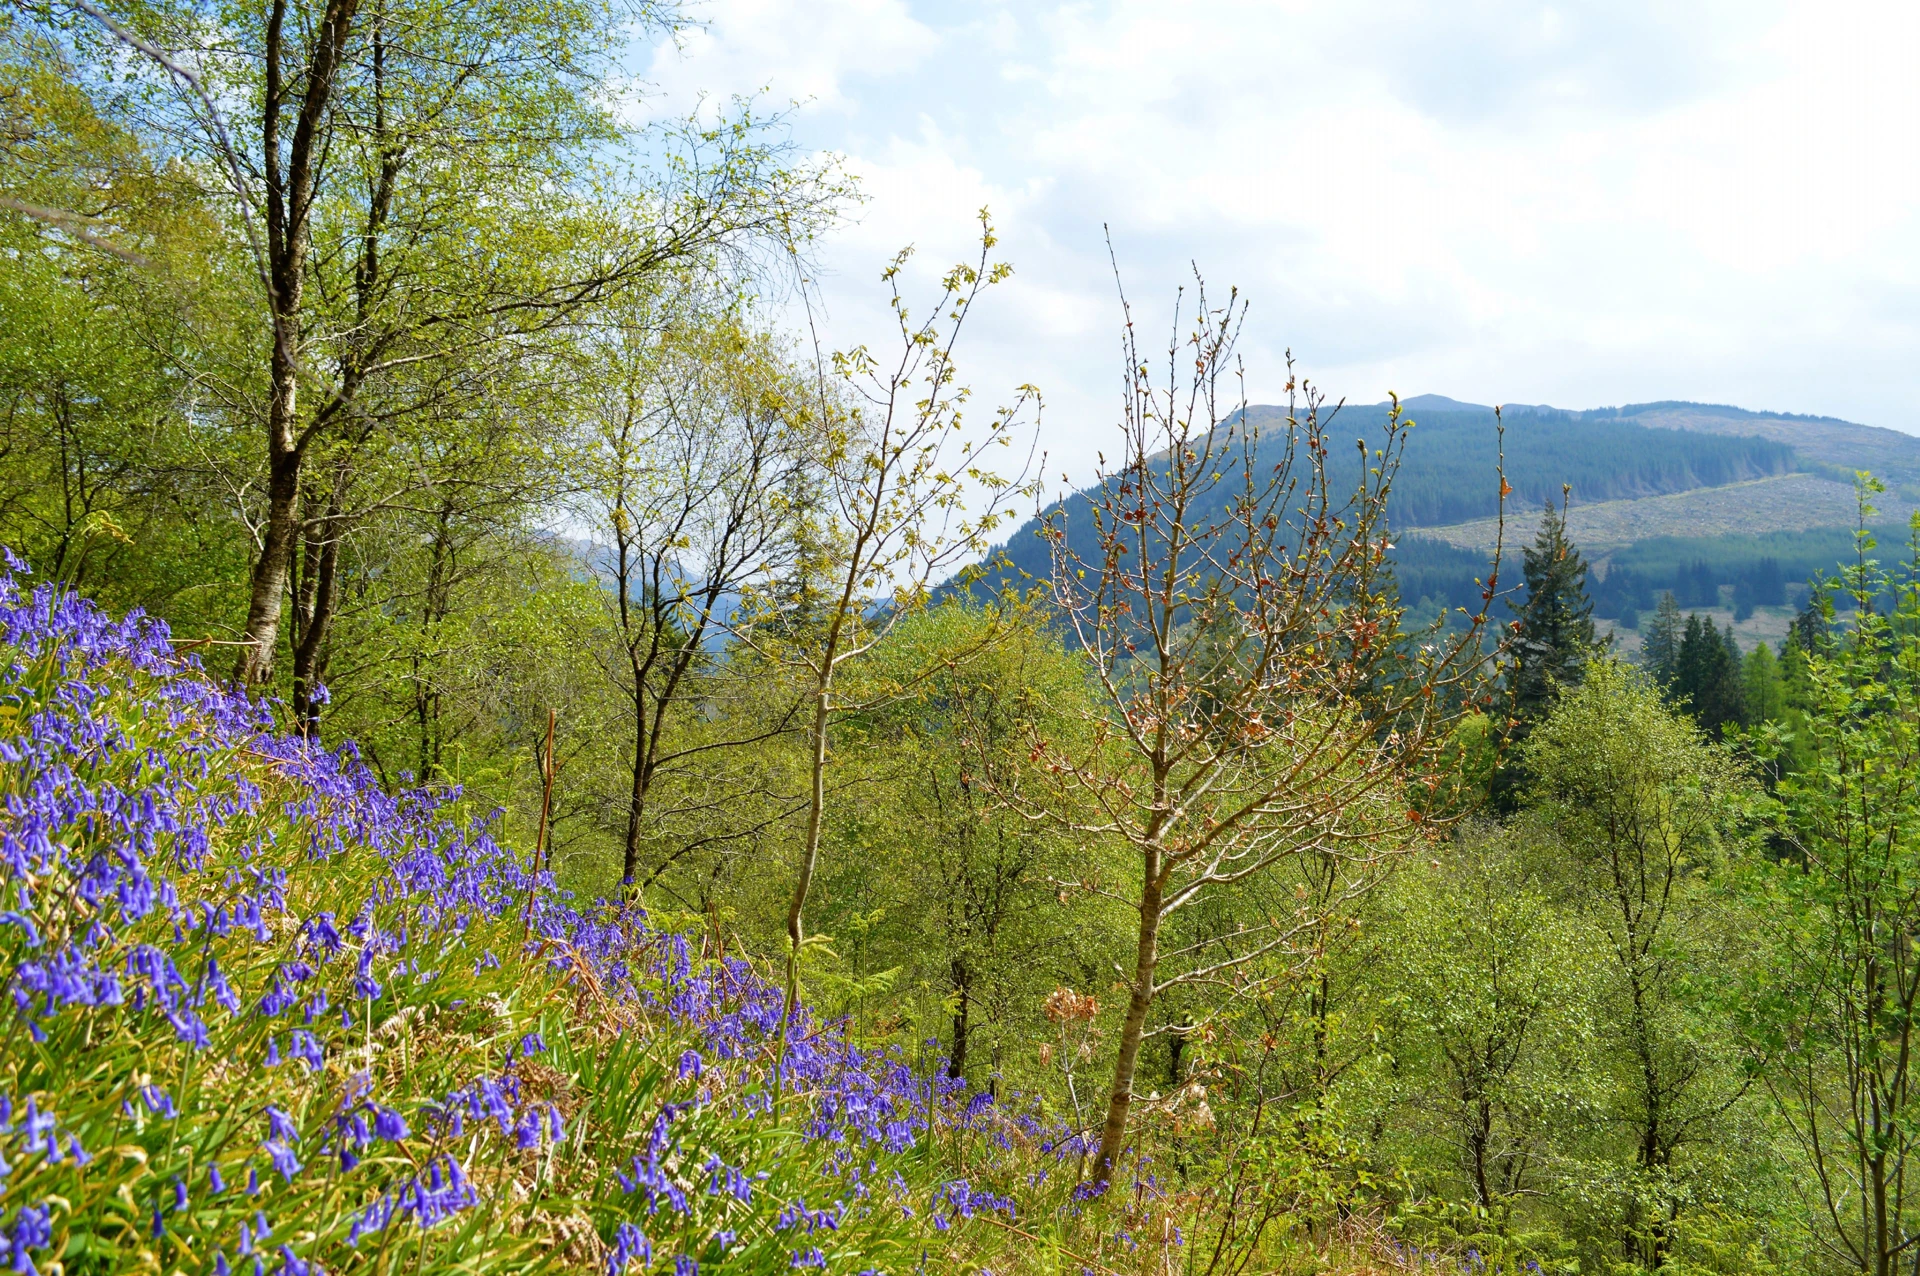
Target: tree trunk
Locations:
point(316, 618)
point(262, 632)
point(1478, 1140)
point(809, 856)
point(1139, 1000)
point(637, 796)
point(1177, 1050)
point(289, 199)
point(1653, 1151)
point(962, 977)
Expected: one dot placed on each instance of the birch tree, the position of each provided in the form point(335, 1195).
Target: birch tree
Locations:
point(426, 188)
point(691, 448)
point(903, 497)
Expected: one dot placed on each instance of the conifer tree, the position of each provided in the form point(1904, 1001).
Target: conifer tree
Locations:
point(1795, 745)
point(1766, 693)
point(1660, 648)
point(1553, 639)
point(1554, 636)
point(1808, 629)
point(1709, 681)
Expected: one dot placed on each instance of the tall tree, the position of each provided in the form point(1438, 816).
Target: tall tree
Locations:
point(1494, 1013)
point(1708, 677)
point(1660, 647)
point(1811, 626)
point(1258, 703)
point(902, 498)
point(967, 891)
point(1765, 691)
point(104, 447)
point(1553, 635)
point(391, 150)
point(1552, 640)
point(690, 447)
point(1647, 807)
point(1836, 1019)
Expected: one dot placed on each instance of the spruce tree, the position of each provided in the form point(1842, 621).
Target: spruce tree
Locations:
point(1694, 662)
point(1554, 636)
point(1553, 639)
point(1809, 628)
point(1660, 648)
point(1732, 687)
point(1709, 681)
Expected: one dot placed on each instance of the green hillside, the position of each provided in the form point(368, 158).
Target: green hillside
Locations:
point(1447, 475)
point(1690, 497)
point(1449, 469)
point(1824, 445)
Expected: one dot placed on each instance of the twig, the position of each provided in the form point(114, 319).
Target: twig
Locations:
point(546, 807)
point(74, 224)
point(215, 123)
point(194, 643)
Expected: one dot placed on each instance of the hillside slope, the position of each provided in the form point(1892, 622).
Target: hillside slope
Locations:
point(1822, 444)
point(1817, 441)
point(1720, 486)
point(266, 1016)
point(1786, 503)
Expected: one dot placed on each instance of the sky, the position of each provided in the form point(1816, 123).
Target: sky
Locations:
point(1499, 201)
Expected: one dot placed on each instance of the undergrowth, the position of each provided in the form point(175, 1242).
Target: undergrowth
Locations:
point(266, 1017)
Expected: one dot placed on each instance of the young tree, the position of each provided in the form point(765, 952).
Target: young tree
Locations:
point(1837, 1020)
point(1791, 749)
point(1258, 701)
point(688, 453)
point(1552, 641)
point(893, 483)
point(990, 876)
point(1496, 1010)
point(1765, 692)
point(433, 592)
point(1647, 808)
point(962, 895)
point(1812, 625)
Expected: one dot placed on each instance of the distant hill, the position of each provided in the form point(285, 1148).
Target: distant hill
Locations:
point(1728, 495)
point(1447, 474)
point(1824, 445)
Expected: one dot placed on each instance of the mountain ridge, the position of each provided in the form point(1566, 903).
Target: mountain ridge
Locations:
point(1444, 403)
point(1751, 491)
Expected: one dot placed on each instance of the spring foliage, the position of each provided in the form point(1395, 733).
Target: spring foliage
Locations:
point(265, 1013)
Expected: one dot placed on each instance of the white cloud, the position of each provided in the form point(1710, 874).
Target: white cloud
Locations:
point(1495, 199)
point(825, 54)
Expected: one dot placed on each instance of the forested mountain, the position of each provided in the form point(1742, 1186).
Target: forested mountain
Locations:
point(1670, 496)
point(1446, 475)
point(1824, 445)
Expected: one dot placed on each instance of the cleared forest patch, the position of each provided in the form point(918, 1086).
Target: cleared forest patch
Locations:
point(1789, 502)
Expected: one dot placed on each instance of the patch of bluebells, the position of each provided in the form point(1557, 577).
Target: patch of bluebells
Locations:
point(173, 870)
point(963, 1199)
